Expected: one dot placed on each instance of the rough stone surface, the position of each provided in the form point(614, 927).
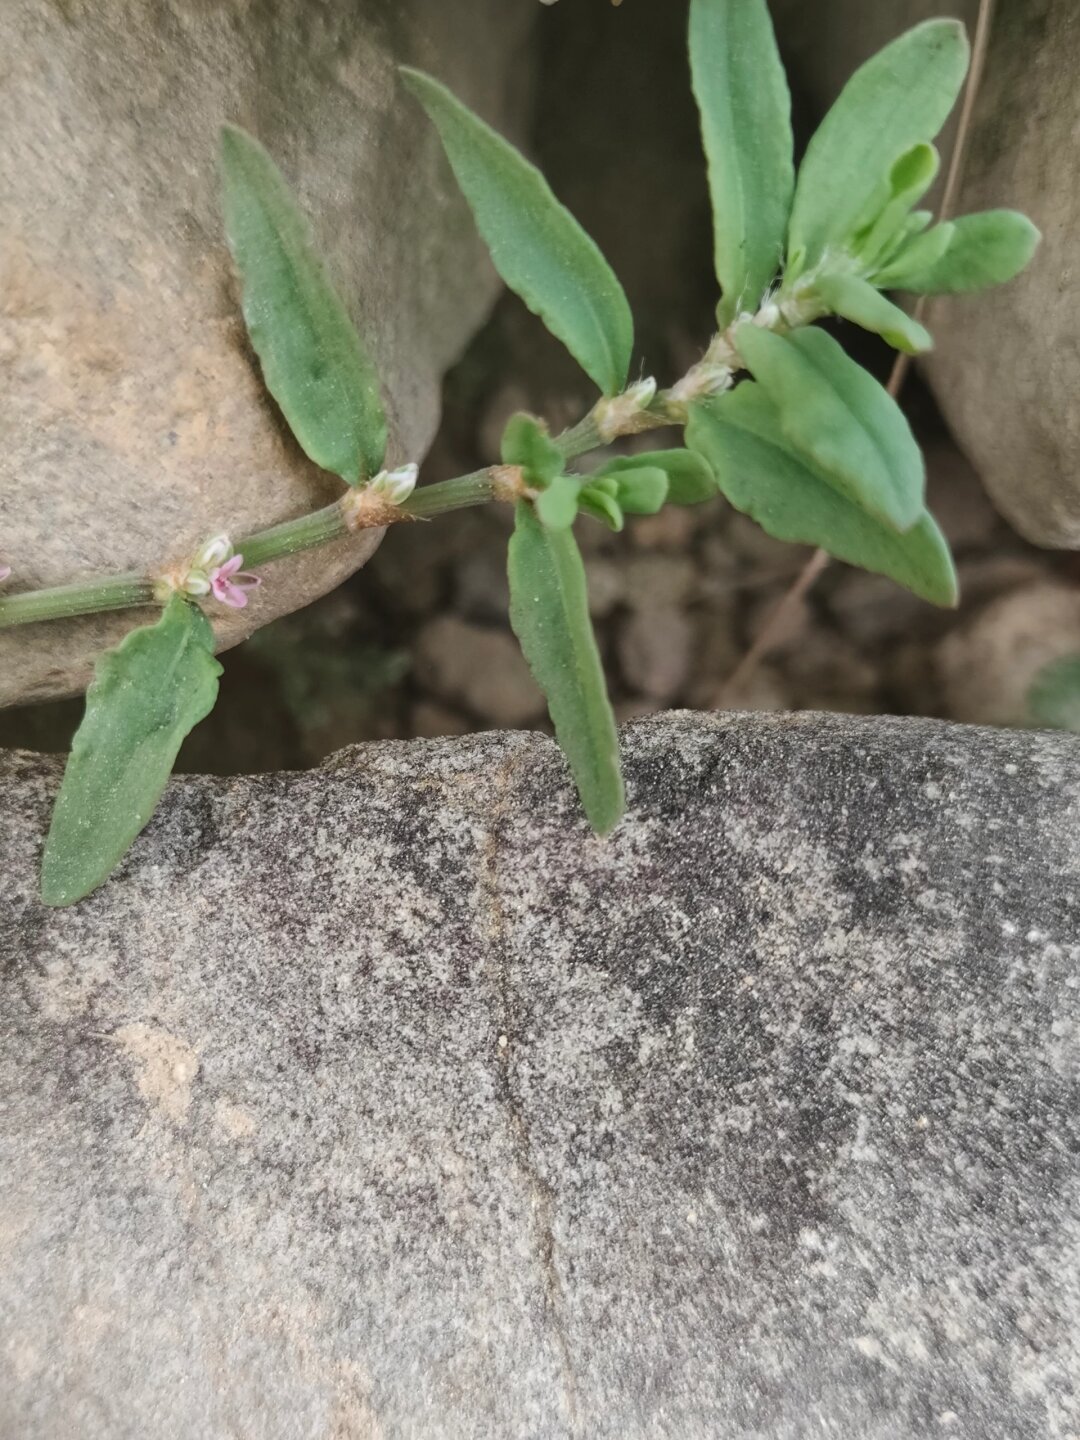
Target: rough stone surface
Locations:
point(131, 408)
point(1006, 367)
point(385, 1100)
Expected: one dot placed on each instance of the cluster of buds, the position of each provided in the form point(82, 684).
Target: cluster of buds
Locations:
point(215, 570)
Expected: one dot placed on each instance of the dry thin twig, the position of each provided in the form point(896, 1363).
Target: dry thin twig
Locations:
point(776, 621)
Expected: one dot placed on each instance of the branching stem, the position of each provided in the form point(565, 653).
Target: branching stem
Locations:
point(319, 527)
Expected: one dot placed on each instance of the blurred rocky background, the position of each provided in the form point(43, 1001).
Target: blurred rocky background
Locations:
point(417, 643)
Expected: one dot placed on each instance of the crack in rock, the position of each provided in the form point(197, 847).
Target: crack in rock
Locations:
point(541, 1192)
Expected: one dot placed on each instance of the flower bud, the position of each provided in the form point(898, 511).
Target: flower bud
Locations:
point(621, 414)
point(396, 485)
point(215, 552)
point(196, 582)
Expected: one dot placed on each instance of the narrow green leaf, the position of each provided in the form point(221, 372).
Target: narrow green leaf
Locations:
point(538, 247)
point(916, 255)
point(898, 99)
point(549, 610)
point(911, 177)
point(642, 490)
point(1054, 698)
point(690, 481)
point(745, 106)
point(557, 505)
point(602, 506)
point(987, 249)
point(312, 359)
point(837, 414)
point(763, 476)
point(158, 683)
point(858, 301)
point(526, 442)
point(914, 173)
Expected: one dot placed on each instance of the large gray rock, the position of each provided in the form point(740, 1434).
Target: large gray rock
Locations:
point(133, 418)
point(1006, 367)
point(385, 1100)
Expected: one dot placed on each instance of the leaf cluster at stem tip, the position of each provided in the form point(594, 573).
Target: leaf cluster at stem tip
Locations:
point(777, 416)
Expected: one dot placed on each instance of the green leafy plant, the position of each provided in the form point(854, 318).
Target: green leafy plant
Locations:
point(777, 417)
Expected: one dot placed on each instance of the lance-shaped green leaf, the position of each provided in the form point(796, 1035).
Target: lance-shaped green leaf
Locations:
point(837, 414)
point(147, 694)
point(899, 99)
point(1054, 698)
point(549, 610)
point(745, 106)
point(858, 301)
point(538, 247)
point(911, 178)
point(987, 249)
point(915, 255)
point(600, 501)
point(690, 481)
point(312, 359)
point(766, 478)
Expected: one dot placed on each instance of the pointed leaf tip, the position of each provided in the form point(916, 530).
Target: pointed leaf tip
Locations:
point(313, 361)
point(900, 98)
point(537, 246)
point(745, 106)
point(146, 695)
point(549, 611)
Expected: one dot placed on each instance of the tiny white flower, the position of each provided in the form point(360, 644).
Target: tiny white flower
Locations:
point(396, 485)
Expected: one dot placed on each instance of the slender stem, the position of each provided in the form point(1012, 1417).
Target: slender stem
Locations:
point(123, 592)
point(116, 592)
point(431, 500)
point(580, 438)
point(773, 627)
point(293, 536)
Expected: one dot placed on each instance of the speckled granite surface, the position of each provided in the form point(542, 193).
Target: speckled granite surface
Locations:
point(385, 1101)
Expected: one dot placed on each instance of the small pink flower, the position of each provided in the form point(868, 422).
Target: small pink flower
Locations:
point(5, 571)
point(230, 584)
